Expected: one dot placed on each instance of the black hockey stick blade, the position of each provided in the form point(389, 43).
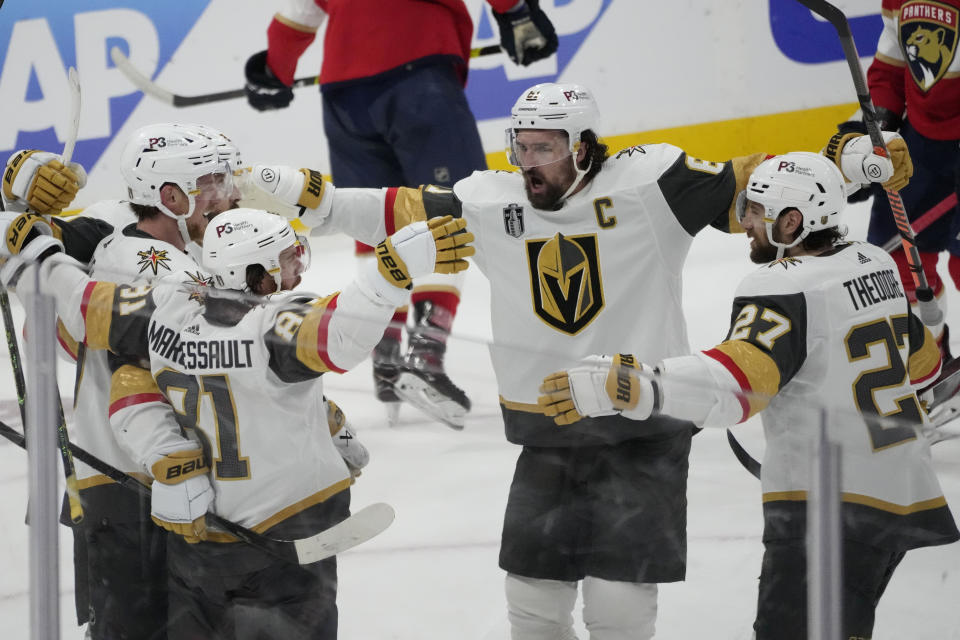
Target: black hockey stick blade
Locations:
point(749, 462)
point(357, 528)
point(150, 88)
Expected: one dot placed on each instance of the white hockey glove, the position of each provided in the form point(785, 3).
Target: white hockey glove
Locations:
point(600, 386)
point(860, 164)
point(439, 245)
point(40, 181)
point(345, 440)
point(296, 194)
point(182, 494)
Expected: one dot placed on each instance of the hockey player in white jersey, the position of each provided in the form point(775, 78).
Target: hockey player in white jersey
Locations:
point(823, 323)
point(584, 255)
point(242, 372)
point(178, 177)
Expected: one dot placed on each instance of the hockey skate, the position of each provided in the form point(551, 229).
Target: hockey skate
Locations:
point(421, 380)
point(386, 367)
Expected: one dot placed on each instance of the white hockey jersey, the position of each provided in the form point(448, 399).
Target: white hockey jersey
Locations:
point(127, 255)
point(600, 275)
point(833, 332)
point(242, 376)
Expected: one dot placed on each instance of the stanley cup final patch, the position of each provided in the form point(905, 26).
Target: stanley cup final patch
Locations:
point(513, 220)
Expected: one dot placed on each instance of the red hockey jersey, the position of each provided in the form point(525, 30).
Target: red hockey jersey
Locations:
point(367, 37)
point(916, 68)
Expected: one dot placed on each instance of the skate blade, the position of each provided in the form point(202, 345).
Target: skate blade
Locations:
point(424, 397)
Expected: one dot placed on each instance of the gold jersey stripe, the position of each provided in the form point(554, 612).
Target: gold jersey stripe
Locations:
point(98, 313)
point(868, 501)
point(924, 361)
point(891, 61)
point(308, 345)
point(408, 207)
point(521, 406)
point(759, 368)
point(129, 380)
point(294, 24)
point(66, 340)
point(286, 512)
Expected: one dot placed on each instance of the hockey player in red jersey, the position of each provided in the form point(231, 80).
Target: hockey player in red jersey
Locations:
point(914, 83)
point(395, 113)
point(807, 331)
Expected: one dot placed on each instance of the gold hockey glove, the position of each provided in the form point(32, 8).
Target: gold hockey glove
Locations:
point(601, 386)
point(182, 494)
point(41, 181)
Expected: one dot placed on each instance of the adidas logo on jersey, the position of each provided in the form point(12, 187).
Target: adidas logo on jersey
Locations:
point(862, 258)
point(194, 329)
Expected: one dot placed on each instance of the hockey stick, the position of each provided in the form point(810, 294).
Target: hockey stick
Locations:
point(932, 215)
point(63, 439)
point(150, 88)
point(63, 443)
point(929, 311)
point(357, 528)
point(749, 462)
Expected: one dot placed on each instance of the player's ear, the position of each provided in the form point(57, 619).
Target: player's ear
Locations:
point(173, 197)
point(792, 222)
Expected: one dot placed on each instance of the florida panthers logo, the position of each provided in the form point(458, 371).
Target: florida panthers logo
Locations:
point(565, 281)
point(928, 35)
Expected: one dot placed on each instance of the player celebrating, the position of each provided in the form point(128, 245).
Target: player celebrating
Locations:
point(178, 176)
point(243, 374)
point(584, 255)
point(395, 113)
point(824, 323)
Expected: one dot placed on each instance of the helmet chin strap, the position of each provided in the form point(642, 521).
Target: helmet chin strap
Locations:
point(781, 247)
point(576, 182)
point(182, 219)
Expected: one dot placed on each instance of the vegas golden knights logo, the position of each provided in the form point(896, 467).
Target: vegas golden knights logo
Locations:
point(565, 281)
point(928, 36)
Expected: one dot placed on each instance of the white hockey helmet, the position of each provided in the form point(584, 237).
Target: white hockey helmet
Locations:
point(239, 238)
point(227, 150)
point(807, 182)
point(567, 107)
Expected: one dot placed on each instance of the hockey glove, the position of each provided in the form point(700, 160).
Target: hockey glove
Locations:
point(182, 494)
point(296, 194)
point(439, 245)
point(526, 33)
point(27, 239)
point(855, 156)
point(38, 180)
point(601, 386)
point(264, 90)
point(345, 440)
